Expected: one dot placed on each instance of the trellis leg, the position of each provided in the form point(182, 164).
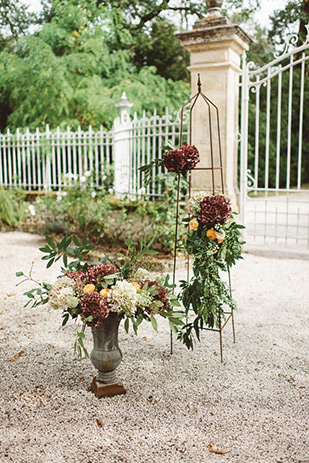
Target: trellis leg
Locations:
point(220, 333)
point(232, 311)
point(175, 248)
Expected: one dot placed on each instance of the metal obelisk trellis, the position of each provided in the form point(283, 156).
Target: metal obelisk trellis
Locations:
point(212, 168)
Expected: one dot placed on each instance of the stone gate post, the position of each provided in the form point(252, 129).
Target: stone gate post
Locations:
point(215, 46)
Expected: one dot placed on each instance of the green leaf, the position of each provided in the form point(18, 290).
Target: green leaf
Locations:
point(84, 241)
point(19, 274)
point(50, 242)
point(126, 325)
point(76, 240)
point(50, 263)
point(154, 323)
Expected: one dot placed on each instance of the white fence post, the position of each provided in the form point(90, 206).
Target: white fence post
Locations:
point(122, 130)
point(47, 169)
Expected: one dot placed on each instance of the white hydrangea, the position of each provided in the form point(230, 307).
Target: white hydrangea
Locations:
point(62, 294)
point(193, 205)
point(141, 275)
point(144, 300)
point(123, 296)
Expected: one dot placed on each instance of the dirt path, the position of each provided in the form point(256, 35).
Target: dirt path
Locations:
point(255, 404)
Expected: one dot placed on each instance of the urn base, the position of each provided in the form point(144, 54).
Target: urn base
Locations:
point(107, 390)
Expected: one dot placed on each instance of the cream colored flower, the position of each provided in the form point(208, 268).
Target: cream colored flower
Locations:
point(193, 224)
point(220, 236)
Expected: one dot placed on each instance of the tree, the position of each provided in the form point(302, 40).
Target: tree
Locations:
point(67, 74)
point(295, 12)
point(15, 18)
point(160, 48)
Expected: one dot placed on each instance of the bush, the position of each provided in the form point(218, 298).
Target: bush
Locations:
point(109, 221)
point(12, 208)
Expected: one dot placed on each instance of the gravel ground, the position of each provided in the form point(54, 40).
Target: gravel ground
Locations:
point(254, 405)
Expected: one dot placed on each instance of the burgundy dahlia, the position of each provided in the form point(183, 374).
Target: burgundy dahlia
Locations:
point(160, 296)
point(174, 161)
point(214, 209)
point(97, 272)
point(181, 160)
point(92, 304)
point(191, 156)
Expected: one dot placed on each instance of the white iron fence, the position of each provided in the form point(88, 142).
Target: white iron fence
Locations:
point(275, 149)
point(51, 160)
point(148, 140)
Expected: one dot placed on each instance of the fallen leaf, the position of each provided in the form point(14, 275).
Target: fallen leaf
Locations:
point(219, 452)
point(100, 423)
point(16, 357)
point(11, 295)
point(216, 353)
point(82, 379)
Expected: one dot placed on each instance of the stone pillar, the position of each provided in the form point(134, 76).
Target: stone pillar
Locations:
point(215, 46)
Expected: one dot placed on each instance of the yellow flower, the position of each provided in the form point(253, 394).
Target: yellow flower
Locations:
point(104, 292)
point(136, 285)
point(89, 289)
point(193, 224)
point(211, 234)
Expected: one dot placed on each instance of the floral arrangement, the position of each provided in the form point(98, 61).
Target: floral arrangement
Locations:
point(89, 292)
point(179, 161)
point(213, 239)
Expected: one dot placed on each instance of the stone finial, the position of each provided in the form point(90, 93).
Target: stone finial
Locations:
point(214, 7)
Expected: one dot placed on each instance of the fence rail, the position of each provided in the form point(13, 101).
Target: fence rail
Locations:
point(148, 138)
point(53, 159)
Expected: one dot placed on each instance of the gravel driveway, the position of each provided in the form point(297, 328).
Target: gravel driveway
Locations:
point(254, 405)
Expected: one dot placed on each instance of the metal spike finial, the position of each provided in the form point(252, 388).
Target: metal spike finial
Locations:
point(199, 84)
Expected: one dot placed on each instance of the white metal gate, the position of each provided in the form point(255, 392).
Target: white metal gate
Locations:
point(274, 169)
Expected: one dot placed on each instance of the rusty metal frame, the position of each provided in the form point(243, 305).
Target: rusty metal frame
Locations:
point(212, 168)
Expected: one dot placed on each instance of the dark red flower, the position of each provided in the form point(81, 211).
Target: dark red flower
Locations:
point(95, 305)
point(174, 161)
point(97, 272)
point(160, 296)
point(191, 156)
point(76, 276)
point(181, 160)
point(214, 209)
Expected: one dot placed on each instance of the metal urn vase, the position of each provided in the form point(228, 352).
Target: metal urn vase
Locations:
point(106, 356)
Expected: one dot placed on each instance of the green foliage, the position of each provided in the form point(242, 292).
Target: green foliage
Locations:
point(74, 70)
point(160, 48)
point(14, 18)
point(12, 208)
point(296, 12)
point(206, 294)
point(82, 209)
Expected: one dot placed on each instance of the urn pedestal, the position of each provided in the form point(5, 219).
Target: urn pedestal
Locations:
point(106, 356)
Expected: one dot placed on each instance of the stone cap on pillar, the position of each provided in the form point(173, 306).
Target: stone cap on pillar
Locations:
point(213, 28)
